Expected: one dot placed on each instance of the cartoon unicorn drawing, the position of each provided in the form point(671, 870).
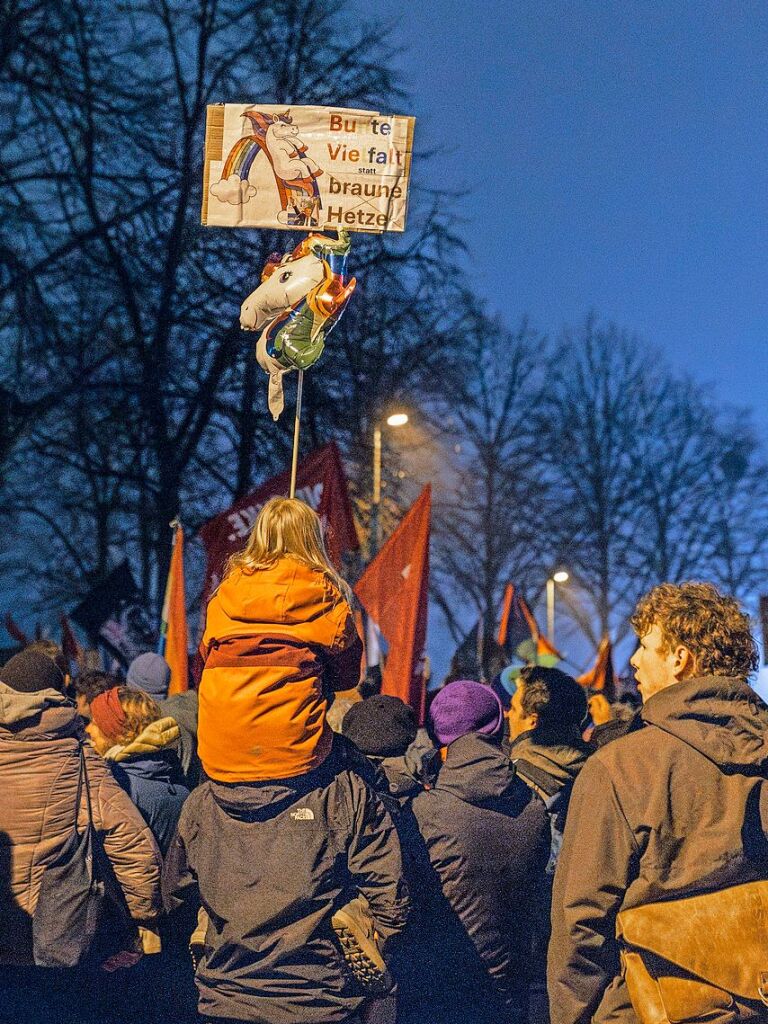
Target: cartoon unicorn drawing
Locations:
point(295, 173)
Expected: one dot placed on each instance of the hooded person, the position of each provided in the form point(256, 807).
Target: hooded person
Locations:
point(273, 863)
point(40, 741)
point(128, 729)
point(279, 641)
point(385, 729)
point(668, 812)
point(484, 843)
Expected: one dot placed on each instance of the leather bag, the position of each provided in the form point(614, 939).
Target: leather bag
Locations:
point(81, 915)
point(698, 959)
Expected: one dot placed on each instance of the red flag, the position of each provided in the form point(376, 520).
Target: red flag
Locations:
point(69, 645)
point(173, 628)
point(320, 482)
point(394, 591)
point(601, 677)
point(15, 631)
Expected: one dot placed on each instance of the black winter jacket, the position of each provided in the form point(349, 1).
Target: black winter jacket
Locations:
point(486, 840)
point(272, 861)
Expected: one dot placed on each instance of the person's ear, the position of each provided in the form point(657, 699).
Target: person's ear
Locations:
point(684, 665)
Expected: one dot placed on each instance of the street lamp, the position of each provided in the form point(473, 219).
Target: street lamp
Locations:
point(561, 576)
point(396, 419)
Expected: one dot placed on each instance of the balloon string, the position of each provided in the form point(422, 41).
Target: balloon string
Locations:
point(296, 429)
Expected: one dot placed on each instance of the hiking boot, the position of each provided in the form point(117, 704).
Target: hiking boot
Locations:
point(356, 933)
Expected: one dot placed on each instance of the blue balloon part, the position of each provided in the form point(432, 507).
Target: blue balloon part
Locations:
point(507, 680)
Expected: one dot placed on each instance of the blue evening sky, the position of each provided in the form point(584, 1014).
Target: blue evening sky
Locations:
point(615, 156)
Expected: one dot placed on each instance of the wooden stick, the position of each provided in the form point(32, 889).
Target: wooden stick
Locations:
point(296, 429)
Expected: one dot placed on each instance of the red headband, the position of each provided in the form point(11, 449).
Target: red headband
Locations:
point(107, 712)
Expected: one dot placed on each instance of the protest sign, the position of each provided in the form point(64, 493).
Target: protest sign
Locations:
point(301, 168)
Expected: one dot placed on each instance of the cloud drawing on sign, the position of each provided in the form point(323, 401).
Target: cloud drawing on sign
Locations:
point(233, 190)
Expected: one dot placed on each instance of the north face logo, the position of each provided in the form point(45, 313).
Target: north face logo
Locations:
point(303, 814)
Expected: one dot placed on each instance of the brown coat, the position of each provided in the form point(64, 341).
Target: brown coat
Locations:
point(39, 766)
point(670, 809)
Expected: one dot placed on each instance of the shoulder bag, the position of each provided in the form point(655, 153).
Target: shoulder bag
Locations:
point(81, 914)
point(701, 958)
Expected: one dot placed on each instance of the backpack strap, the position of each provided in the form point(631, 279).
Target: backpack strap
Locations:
point(539, 778)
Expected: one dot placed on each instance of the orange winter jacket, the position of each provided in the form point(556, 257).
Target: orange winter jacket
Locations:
point(276, 641)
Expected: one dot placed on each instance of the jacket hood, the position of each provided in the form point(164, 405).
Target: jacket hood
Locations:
point(287, 593)
point(415, 770)
point(476, 770)
point(562, 761)
point(156, 738)
point(722, 718)
point(17, 708)
point(262, 801)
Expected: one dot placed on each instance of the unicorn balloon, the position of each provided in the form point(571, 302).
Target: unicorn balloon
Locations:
point(300, 299)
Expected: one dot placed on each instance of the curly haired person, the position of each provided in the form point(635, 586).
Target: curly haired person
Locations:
point(669, 811)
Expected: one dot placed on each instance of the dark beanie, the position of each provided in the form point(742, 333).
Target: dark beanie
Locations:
point(151, 673)
point(464, 706)
point(30, 671)
point(380, 725)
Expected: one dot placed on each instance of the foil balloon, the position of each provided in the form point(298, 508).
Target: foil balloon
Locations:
point(300, 299)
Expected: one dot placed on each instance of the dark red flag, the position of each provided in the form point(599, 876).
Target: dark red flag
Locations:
point(320, 482)
point(518, 625)
point(394, 592)
point(15, 632)
point(73, 652)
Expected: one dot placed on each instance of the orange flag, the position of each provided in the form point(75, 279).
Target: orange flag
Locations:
point(600, 677)
point(394, 592)
point(173, 628)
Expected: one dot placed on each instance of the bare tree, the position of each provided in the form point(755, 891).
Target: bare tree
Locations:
point(138, 303)
point(489, 524)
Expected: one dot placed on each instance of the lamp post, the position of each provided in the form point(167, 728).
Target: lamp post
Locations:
point(557, 577)
point(397, 419)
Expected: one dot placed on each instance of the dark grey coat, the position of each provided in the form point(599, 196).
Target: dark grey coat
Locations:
point(485, 840)
point(272, 861)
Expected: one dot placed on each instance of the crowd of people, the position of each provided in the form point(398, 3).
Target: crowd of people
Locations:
point(489, 867)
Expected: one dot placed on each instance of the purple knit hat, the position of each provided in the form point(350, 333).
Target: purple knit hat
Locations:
point(464, 706)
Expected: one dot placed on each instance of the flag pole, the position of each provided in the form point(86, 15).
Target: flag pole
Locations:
point(296, 429)
point(162, 638)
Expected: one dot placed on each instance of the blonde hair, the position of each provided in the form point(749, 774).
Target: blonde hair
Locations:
point(286, 527)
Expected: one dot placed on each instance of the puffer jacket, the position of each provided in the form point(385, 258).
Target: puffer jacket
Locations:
point(148, 770)
point(271, 861)
point(276, 640)
point(40, 734)
point(671, 809)
point(486, 841)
